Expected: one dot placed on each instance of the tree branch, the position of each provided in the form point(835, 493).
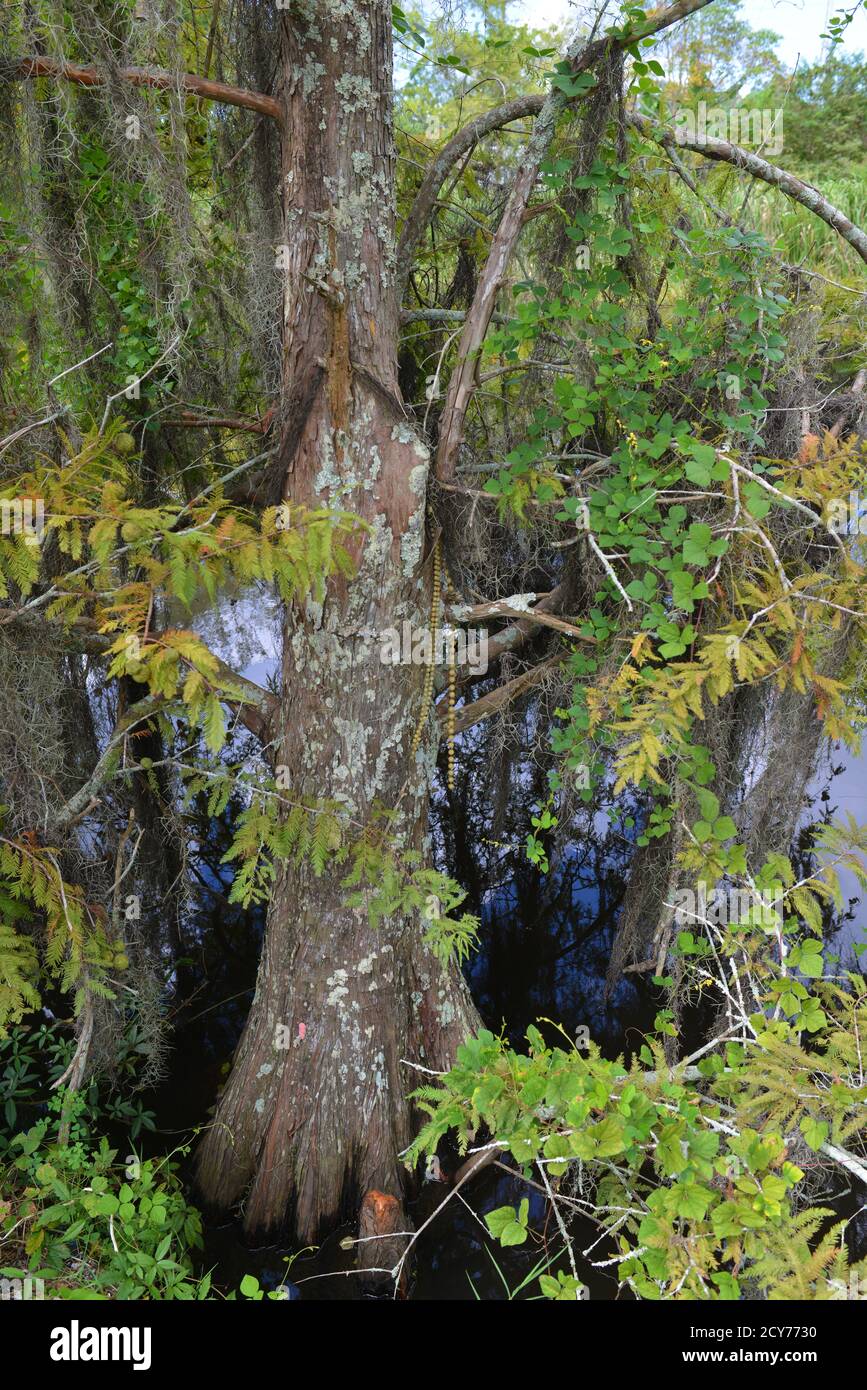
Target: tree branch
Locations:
point(157, 78)
point(515, 605)
point(519, 608)
point(495, 700)
point(516, 635)
point(581, 56)
point(256, 711)
point(450, 155)
point(189, 420)
point(81, 800)
point(794, 188)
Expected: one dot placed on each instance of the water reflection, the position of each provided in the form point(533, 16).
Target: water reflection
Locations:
point(545, 942)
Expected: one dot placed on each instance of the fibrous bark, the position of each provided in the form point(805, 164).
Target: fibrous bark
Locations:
point(322, 1119)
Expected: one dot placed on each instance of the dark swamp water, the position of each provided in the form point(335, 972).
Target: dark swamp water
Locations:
point(545, 943)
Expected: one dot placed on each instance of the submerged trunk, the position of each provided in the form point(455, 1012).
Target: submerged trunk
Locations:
point(313, 1126)
point(309, 1125)
point(325, 1117)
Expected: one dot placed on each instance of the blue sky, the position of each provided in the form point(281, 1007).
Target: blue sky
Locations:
point(798, 22)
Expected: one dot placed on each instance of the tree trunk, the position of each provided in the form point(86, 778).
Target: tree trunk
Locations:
point(311, 1126)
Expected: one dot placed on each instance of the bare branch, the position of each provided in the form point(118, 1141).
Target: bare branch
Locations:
point(190, 421)
point(518, 607)
point(142, 709)
point(495, 700)
point(82, 363)
point(450, 155)
point(517, 634)
point(494, 608)
point(152, 368)
point(581, 56)
point(794, 188)
point(157, 78)
point(609, 569)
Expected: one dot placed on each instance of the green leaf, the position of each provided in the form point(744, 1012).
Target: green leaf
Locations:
point(574, 86)
point(699, 465)
point(810, 963)
point(691, 1200)
point(513, 1234)
point(509, 1226)
point(214, 724)
point(708, 804)
point(724, 828)
point(695, 548)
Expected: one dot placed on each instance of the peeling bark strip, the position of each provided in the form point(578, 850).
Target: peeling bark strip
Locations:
point(156, 78)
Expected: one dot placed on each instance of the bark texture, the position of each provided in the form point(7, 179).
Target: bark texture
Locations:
point(310, 1127)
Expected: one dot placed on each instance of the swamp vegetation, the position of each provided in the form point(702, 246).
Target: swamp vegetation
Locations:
point(432, 471)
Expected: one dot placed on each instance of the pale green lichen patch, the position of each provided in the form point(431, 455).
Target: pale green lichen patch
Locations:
point(356, 738)
point(336, 983)
point(356, 94)
point(412, 540)
point(405, 434)
point(310, 75)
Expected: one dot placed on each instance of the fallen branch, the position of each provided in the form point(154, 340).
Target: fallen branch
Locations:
point(518, 607)
point(518, 634)
point(189, 420)
point(495, 700)
point(141, 710)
